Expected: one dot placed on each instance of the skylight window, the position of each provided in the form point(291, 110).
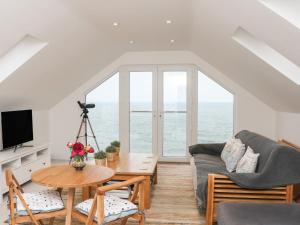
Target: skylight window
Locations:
point(268, 54)
point(19, 54)
point(287, 9)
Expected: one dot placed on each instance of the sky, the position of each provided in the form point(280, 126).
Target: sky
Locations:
point(174, 88)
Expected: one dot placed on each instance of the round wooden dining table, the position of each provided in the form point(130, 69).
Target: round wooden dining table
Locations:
point(65, 176)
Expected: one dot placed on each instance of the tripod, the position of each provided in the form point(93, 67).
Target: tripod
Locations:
point(85, 122)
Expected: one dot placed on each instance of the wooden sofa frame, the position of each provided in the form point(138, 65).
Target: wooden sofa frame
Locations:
point(222, 189)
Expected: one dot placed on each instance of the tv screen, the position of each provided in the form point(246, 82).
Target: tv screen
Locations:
point(16, 128)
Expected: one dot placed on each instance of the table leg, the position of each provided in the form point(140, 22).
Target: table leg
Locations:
point(86, 193)
point(147, 192)
point(155, 175)
point(70, 202)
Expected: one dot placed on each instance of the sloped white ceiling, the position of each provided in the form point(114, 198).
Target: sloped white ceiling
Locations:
point(81, 41)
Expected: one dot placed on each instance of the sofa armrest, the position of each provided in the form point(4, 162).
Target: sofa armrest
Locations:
point(222, 189)
point(211, 149)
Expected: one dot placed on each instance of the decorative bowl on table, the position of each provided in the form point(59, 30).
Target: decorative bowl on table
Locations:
point(78, 165)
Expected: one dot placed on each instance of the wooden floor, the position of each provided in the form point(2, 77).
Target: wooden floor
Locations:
point(173, 200)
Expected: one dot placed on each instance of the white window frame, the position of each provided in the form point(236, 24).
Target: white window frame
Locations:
point(157, 104)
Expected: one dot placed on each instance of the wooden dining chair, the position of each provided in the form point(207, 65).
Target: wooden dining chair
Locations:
point(107, 209)
point(32, 207)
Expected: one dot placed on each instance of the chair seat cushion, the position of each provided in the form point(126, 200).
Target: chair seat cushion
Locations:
point(114, 208)
point(258, 214)
point(40, 202)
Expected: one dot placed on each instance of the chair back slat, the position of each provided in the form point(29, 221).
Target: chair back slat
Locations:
point(8, 177)
point(11, 180)
point(100, 209)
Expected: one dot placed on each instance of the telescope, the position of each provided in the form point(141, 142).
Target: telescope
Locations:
point(85, 106)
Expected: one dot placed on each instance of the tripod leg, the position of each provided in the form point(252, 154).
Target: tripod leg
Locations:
point(93, 133)
point(79, 131)
point(85, 131)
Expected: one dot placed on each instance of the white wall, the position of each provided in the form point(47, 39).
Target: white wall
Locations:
point(289, 127)
point(252, 114)
point(40, 126)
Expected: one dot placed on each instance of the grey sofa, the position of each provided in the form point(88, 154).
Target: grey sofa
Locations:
point(278, 165)
point(258, 214)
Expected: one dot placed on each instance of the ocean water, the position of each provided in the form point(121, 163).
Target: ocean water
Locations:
point(215, 124)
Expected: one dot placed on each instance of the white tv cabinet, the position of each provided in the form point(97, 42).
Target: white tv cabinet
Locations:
point(23, 163)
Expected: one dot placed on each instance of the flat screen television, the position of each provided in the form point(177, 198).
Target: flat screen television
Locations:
point(17, 128)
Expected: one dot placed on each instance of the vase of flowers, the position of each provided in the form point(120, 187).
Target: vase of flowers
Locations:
point(111, 153)
point(116, 144)
point(79, 154)
point(100, 158)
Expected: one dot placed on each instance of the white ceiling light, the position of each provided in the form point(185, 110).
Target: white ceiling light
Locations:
point(131, 42)
point(168, 21)
point(115, 24)
point(172, 41)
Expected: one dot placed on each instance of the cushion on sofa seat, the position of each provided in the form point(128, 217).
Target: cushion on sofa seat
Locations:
point(258, 214)
point(39, 202)
point(206, 164)
point(114, 208)
point(208, 159)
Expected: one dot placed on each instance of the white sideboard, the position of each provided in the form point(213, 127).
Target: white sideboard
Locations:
point(23, 163)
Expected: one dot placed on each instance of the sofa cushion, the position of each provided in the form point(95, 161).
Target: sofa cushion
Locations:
point(114, 208)
point(206, 164)
point(232, 153)
point(208, 159)
point(40, 202)
point(258, 214)
point(248, 162)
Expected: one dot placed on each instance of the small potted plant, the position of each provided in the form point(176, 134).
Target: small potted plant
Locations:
point(111, 153)
point(100, 158)
point(116, 144)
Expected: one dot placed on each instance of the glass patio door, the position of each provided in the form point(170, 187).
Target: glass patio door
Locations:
point(141, 112)
point(154, 111)
point(173, 105)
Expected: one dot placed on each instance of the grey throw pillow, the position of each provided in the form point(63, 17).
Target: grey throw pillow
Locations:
point(248, 162)
point(232, 153)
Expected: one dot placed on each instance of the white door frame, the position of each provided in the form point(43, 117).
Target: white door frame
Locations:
point(189, 133)
point(157, 106)
point(124, 117)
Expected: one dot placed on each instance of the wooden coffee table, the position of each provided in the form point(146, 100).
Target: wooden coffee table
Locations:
point(132, 165)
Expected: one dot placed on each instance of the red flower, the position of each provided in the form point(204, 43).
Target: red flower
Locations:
point(78, 149)
point(73, 153)
point(81, 153)
point(91, 150)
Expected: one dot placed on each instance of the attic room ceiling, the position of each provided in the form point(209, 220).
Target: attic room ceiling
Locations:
point(82, 40)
